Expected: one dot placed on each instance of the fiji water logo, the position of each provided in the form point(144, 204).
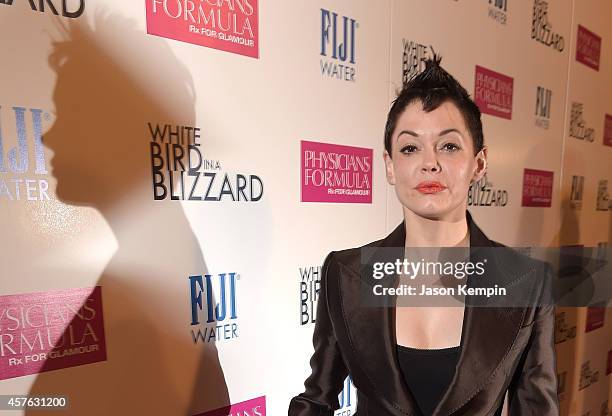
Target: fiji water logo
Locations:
point(338, 46)
point(77, 9)
point(577, 191)
point(603, 197)
point(213, 307)
point(23, 167)
point(542, 107)
point(498, 11)
point(345, 399)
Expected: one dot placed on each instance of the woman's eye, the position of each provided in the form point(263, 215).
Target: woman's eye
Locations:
point(451, 147)
point(409, 149)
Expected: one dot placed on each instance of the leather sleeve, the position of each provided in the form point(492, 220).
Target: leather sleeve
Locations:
point(325, 382)
point(533, 390)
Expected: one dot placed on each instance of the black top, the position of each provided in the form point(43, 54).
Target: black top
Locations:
point(428, 373)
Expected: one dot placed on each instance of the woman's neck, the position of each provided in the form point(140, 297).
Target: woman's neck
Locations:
point(425, 232)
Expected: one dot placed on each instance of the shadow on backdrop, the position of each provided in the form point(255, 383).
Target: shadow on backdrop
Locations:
point(112, 80)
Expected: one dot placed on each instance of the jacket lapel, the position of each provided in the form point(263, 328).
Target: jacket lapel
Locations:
point(488, 333)
point(371, 329)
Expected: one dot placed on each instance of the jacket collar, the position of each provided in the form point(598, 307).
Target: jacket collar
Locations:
point(487, 335)
point(397, 238)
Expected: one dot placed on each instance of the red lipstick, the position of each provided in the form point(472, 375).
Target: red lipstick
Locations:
point(430, 187)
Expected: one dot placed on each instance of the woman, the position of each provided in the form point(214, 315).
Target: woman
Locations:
point(434, 360)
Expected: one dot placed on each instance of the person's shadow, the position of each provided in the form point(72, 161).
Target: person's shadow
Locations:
point(106, 94)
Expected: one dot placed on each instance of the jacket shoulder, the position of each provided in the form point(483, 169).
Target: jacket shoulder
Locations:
point(351, 257)
point(517, 265)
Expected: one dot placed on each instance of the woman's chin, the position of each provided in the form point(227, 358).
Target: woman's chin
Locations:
point(431, 211)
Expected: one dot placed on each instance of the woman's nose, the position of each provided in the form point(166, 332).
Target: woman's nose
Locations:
point(430, 161)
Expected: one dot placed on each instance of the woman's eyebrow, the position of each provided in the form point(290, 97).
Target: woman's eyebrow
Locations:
point(410, 132)
point(447, 131)
point(442, 133)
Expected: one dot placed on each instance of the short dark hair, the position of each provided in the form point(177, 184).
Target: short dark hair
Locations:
point(433, 87)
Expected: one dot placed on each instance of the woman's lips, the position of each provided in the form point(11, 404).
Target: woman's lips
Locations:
point(430, 187)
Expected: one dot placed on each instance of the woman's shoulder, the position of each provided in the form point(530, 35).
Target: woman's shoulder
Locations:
point(352, 257)
point(519, 269)
point(516, 258)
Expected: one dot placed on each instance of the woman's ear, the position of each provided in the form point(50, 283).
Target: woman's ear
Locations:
point(389, 168)
point(481, 165)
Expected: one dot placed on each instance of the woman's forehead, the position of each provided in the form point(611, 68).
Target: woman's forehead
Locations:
point(447, 115)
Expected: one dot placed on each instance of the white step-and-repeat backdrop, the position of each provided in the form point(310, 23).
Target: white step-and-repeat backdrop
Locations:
point(173, 173)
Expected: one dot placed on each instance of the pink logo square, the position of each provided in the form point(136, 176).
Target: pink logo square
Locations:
point(227, 25)
point(335, 173)
point(595, 317)
point(253, 407)
point(493, 92)
point(50, 330)
point(607, 135)
point(537, 188)
point(588, 48)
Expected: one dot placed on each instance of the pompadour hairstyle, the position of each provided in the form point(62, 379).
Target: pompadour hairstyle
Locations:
point(433, 87)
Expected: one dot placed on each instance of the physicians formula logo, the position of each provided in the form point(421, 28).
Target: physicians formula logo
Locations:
point(607, 135)
point(542, 107)
point(227, 25)
point(338, 46)
point(310, 284)
point(541, 28)
point(214, 311)
point(414, 55)
point(181, 172)
point(67, 8)
point(595, 317)
point(498, 11)
point(483, 193)
point(537, 188)
point(23, 168)
point(493, 92)
point(335, 173)
point(50, 330)
point(252, 407)
point(577, 190)
point(588, 48)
